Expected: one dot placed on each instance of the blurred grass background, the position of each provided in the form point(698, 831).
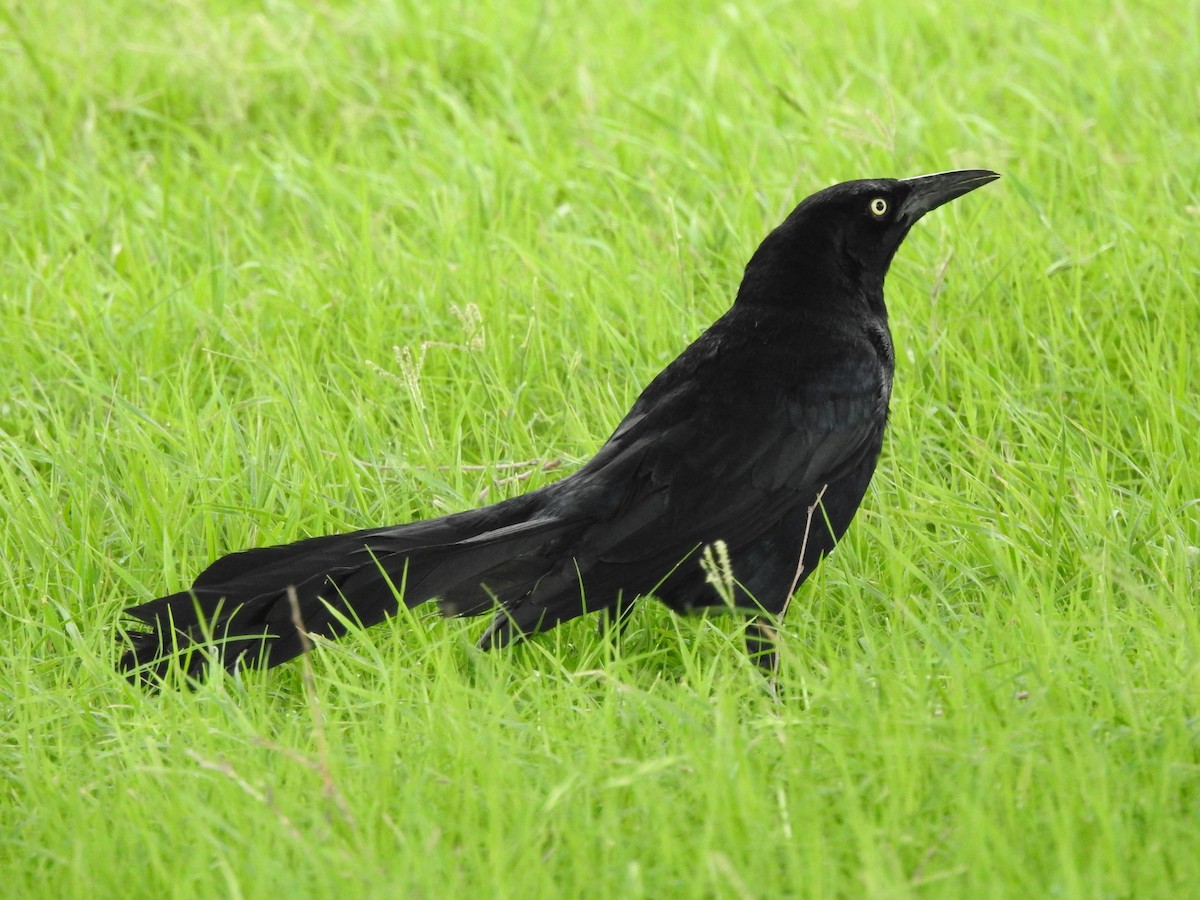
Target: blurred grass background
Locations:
point(277, 269)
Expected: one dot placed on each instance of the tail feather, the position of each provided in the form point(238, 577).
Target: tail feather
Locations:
point(238, 610)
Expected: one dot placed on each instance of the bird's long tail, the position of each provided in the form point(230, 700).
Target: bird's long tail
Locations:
point(238, 609)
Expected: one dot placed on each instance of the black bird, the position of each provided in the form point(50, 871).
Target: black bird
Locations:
point(757, 442)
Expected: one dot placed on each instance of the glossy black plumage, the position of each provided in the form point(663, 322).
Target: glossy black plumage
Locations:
point(782, 401)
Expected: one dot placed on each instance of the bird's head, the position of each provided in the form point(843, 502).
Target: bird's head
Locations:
point(843, 238)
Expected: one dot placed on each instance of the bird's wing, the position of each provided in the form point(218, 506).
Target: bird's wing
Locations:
point(699, 460)
point(695, 479)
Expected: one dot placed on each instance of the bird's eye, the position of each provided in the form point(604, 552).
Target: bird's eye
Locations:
point(879, 206)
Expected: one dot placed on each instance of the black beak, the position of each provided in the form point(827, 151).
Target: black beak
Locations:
point(931, 191)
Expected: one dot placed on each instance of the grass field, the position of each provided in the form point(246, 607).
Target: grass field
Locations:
point(277, 269)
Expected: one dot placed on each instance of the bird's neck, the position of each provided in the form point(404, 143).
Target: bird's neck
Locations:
point(840, 289)
point(812, 273)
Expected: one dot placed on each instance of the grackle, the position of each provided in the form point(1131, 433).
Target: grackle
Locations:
point(753, 450)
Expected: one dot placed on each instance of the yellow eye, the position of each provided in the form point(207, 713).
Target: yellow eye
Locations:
point(878, 206)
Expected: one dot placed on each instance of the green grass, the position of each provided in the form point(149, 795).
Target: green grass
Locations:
point(273, 269)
